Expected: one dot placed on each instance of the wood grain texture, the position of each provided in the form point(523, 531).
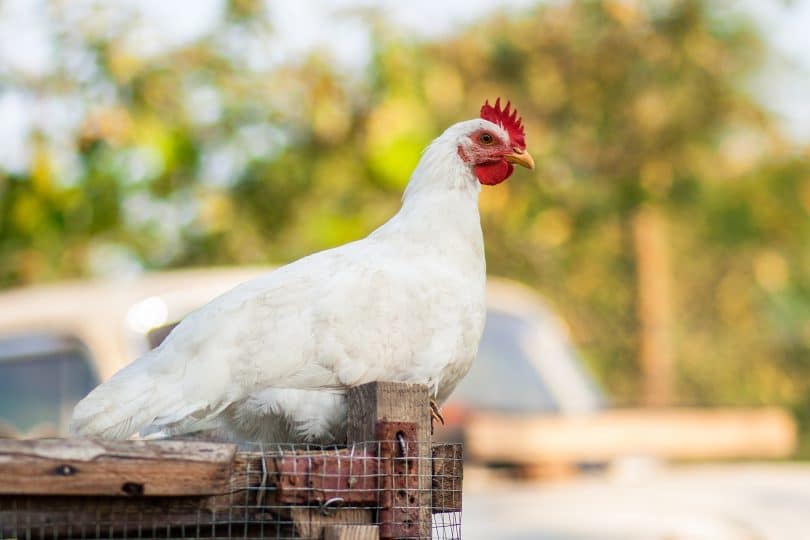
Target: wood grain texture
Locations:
point(393, 402)
point(396, 402)
point(351, 532)
point(448, 473)
point(25, 516)
point(310, 523)
point(133, 468)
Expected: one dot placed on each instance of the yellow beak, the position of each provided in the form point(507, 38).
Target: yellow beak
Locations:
point(522, 158)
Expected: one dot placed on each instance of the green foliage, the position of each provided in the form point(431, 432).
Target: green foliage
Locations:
point(202, 156)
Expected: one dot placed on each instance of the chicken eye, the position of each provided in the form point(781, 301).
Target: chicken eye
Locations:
point(486, 138)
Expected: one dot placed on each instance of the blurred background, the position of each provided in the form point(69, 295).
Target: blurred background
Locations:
point(664, 233)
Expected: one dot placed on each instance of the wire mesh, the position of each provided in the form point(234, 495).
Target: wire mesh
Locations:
point(279, 492)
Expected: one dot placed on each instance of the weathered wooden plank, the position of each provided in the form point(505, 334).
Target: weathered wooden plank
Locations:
point(351, 532)
point(26, 516)
point(448, 472)
point(130, 468)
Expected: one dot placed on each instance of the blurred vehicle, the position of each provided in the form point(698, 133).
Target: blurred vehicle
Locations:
point(527, 385)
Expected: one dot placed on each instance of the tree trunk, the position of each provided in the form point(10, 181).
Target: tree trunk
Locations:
point(653, 305)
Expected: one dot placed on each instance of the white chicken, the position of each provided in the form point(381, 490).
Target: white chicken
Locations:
point(271, 359)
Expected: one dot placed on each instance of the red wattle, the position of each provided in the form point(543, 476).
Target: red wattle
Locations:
point(493, 173)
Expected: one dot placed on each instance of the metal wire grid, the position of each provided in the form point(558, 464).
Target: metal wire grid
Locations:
point(287, 491)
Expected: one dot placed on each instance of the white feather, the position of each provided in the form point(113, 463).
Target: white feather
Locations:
point(271, 359)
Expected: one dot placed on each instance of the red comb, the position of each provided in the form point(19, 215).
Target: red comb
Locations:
point(508, 120)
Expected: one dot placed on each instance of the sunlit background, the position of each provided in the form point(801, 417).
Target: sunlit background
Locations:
point(667, 222)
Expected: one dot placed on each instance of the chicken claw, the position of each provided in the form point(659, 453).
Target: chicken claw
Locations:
point(435, 414)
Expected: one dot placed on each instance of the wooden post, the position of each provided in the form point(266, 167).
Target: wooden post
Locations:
point(372, 403)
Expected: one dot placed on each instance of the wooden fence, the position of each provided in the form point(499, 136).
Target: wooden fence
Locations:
point(390, 481)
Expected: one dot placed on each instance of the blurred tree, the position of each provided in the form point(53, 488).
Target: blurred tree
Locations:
point(666, 221)
point(632, 106)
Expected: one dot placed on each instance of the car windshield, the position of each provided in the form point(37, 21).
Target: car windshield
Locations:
point(41, 379)
point(503, 377)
